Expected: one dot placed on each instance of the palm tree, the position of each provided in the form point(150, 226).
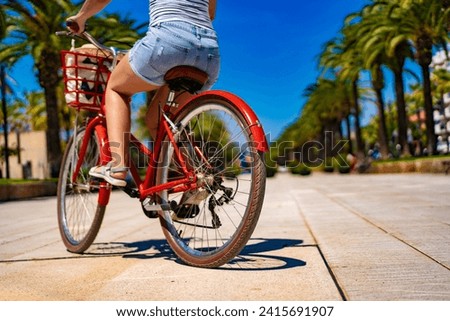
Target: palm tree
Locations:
point(330, 61)
point(4, 88)
point(352, 65)
point(5, 119)
point(415, 101)
point(326, 99)
point(2, 24)
point(425, 23)
point(446, 5)
point(341, 57)
point(329, 102)
point(305, 128)
point(32, 31)
point(357, 25)
point(382, 41)
point(377, 77)
point(115, 30)
point(34, 110)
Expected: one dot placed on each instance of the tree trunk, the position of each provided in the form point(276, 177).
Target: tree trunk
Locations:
point(349, 131)
point(49, 81)
point(382, 129)
point(377, 83)
point(429, 121)
point(402, 121)
point(5, 119)
point(359, 141)
point(424, 47)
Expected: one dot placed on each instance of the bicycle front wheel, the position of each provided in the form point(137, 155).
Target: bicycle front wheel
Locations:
point(209, 225)
point(79, 212)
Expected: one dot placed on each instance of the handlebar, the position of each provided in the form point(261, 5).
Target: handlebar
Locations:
point(73, 25)
point(88, 37)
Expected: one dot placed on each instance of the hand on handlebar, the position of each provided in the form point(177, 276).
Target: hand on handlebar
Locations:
point(76, 25)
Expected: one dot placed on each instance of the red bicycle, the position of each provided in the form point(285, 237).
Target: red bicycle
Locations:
point(210, 150)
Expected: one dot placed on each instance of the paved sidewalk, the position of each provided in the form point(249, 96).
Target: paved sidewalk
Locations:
point(321, 237)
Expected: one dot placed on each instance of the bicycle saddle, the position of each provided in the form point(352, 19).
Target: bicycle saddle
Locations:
point(186, 78)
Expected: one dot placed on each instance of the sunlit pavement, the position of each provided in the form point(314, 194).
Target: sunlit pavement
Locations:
point(320, 237)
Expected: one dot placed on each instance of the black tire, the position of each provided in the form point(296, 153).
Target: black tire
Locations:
point(213, 232)
point(79, 212)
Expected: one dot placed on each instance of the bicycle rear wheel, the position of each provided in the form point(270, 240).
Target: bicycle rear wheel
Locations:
point(209, 226)
point(79, 212)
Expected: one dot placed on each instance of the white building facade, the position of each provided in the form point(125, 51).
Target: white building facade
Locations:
point(442, 111)
point(32, 160)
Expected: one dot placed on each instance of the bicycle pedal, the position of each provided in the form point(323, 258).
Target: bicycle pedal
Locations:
point(149, 213)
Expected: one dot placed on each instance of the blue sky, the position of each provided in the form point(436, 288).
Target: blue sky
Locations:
point(269, 50)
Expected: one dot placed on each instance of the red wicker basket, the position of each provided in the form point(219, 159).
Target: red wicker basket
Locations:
point(85, 74)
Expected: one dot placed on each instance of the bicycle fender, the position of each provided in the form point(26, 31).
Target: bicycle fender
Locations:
point(246, 111)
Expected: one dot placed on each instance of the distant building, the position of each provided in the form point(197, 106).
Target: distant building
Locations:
point(441, 114)
point(31, 160)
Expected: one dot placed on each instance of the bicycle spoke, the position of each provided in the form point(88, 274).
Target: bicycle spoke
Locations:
point(78, 210)
point(215, 143)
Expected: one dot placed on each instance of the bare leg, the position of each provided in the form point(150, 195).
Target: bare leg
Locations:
point(121, 86)
point(153, 113)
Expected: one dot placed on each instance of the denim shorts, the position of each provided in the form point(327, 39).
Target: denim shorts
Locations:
point(175, 43)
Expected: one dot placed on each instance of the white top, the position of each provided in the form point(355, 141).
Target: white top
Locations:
point(192, 11)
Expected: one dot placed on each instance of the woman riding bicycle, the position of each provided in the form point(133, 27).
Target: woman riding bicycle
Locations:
point(180, 33)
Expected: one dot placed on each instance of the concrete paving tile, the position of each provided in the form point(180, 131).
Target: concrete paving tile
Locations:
point(384, 237)
point(370, 264)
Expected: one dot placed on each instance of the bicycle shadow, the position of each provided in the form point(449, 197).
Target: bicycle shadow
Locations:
point(256, 256)
point(259, 256)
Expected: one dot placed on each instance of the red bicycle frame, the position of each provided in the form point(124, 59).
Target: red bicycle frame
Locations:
point(147, 187)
